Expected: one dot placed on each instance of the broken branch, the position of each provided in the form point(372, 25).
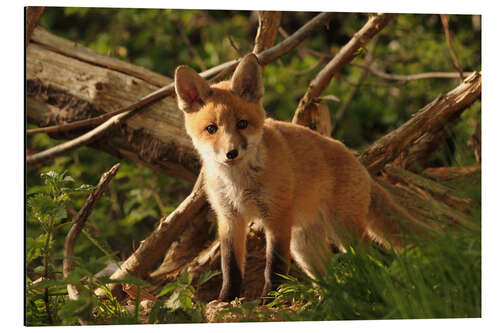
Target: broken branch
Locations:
point(269, 22)
point(430, 119)
point(77, 226)
point(346, 54)
point(192, 210)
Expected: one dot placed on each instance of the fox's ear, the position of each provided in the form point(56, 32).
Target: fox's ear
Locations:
point(247, 79)
point(192, 90)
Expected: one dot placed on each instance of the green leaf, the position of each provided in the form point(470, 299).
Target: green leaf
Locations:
point(205, 276)
point(167, 289)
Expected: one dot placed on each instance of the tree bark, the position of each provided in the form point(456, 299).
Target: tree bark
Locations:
point(66, 82)
point(33, 15)
point(269, 22)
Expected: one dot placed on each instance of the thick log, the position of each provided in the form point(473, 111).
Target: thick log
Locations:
point(67, 82)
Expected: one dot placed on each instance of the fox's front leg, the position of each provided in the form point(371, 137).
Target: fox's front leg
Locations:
point(278, 235)
point(232, 235)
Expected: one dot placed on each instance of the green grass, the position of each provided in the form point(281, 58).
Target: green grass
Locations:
point(438, 278)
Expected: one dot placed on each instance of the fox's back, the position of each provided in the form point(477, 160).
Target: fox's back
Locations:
point(323, 170)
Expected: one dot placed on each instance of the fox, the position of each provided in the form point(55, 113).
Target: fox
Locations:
point(308, 191)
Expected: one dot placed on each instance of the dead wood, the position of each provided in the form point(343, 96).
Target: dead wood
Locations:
point(442, 192)
point(449, 173)
point(32, 16)
point(63, 88)
point(425, 125)
point(77, 226)
point(87, 55)
point(269, 22)
point(192, 211)
point(345, 55)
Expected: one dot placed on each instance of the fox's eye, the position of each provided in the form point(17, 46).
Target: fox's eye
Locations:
point(242, 124)
point(211, 129)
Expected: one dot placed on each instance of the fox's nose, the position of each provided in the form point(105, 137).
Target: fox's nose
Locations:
point(232, 154)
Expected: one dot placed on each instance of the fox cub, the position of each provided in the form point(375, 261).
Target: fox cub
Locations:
point(308, 191)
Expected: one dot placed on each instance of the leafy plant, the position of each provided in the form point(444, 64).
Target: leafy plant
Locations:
point(47, 207)
point(181, 305)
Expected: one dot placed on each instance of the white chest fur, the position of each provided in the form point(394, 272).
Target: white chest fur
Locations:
point(238, 189)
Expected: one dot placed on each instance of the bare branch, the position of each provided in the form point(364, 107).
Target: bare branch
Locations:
point(233, 45)
point(411, 77)
point(81, 140)
point(346, 54)
point(429, 119)
point(102, 118)
point(77, 226)
point(269, 22)
point(190, 46)
point(449, 40)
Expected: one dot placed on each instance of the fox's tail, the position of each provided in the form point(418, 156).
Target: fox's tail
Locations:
point(390, 224)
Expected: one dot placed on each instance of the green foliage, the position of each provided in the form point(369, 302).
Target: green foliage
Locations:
point(181, 305)
point(438, 278)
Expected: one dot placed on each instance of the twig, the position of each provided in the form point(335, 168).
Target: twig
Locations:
point(81, 140)
point(346, 54)
point(76, 228)
point(158, 94)
point(449, 40)
point(190, 46)
point(429, 119)
point(265, 57)
point(368, 60)
point(411, 77)
point(233, 45)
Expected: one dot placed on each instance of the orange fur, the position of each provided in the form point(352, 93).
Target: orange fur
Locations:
point(307, 190)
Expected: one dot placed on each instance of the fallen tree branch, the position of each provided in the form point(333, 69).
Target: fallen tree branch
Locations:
point(192, 210)
point(264, 58)
point(430, 119)
point(346, 54)
point(77, 226)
